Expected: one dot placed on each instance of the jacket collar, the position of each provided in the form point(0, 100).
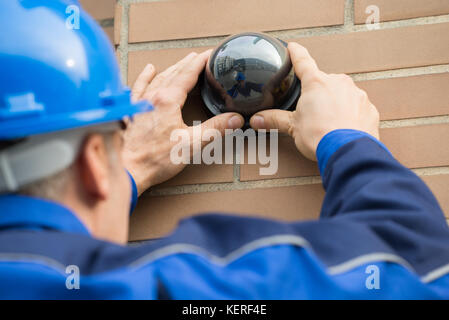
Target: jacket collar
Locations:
point(23, 212)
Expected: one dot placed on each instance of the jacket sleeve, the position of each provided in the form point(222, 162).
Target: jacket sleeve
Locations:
point(366, 185)
point(376, 215)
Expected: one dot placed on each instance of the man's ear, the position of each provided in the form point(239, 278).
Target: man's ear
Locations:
point(94, 167)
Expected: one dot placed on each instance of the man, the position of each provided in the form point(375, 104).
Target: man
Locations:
point(65, 193)
point(243, 87)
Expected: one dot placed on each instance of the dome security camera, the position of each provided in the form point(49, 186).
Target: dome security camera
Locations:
point(248, 73)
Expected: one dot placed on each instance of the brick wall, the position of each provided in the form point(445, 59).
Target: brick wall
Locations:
point(103, 11)
point(404, 67)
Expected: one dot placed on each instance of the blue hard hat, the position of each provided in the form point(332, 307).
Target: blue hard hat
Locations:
point(58, 70)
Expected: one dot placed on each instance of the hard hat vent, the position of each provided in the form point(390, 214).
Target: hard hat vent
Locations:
point(18, 106)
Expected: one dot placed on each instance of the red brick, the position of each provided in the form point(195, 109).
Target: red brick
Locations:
point(409, 97)
point(291, 164)
point(110, 33)
point(161, 59)
point(400, 9)
point(380, 49)
point(200, 174)
point(357, 52)
point(99, 9)
point(157, 216)
point(415, 147)
point(203, 18)
point(419, 146)
point(117, 23)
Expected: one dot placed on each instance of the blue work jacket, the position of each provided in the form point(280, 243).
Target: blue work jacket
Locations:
point(381, 235)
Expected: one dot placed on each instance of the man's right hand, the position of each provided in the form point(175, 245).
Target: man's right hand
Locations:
point(328, 102)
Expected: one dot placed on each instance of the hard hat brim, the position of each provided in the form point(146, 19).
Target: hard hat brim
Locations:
point(47, 124)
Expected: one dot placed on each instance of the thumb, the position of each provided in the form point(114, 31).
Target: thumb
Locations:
point(219, 123)
point(272, 119)
point(305, 66)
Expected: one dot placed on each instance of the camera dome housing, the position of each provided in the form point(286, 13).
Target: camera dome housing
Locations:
point(248, 73)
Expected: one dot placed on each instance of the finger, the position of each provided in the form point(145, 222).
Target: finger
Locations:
point(179, 79)
point(188, 73)
point(142, 82)
point(198, 63)
point(180, 64)
point(304, 65)
point(272, 119)
point(166, 77)
point(220, 123)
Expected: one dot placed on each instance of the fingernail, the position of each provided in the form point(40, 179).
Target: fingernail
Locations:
point(149, 67)
point(258, 122)
point(235, 122)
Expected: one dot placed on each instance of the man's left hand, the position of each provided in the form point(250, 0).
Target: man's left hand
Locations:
point(147, 139)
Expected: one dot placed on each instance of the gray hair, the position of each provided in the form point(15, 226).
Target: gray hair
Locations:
point(53, 187)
